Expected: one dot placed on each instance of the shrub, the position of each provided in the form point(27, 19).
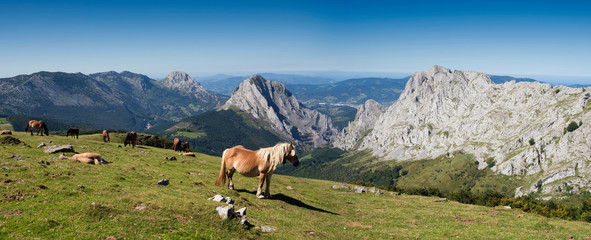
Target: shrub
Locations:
point(572, 126)
point(531, 142)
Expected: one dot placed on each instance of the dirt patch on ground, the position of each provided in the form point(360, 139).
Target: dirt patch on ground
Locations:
point(15, 197)
point(494, 212)
point(10, 140)
point(358, 224)
point(467, 220)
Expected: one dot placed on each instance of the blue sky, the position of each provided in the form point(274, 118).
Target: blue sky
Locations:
point(528, 38)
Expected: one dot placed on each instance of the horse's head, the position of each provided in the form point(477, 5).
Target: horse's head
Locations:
point(291, 156)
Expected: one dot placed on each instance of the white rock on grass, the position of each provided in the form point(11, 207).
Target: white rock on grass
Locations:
point(226, 212)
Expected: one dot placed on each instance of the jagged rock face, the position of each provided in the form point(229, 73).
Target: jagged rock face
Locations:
point(271, 102)
point(367, 114)
point(182, 81)
point(441, 111)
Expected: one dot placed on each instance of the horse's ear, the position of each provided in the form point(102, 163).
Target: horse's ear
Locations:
point(291, 145)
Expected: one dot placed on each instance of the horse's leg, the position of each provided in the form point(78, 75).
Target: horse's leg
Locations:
point(267, 191)
point(260, 189)
point(230, 182)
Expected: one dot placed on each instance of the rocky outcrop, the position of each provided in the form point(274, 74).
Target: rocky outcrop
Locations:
point(520, 126)
point(182, 81)
point(367, 114)
point(272, 103)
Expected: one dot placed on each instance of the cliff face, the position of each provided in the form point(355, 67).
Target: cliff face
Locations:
point(367, 115)
point(520, 126)
point(183, 82)
point(272, 103)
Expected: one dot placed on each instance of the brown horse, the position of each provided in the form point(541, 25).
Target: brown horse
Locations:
point(186, 147)
point(262, 163)
point(72, 132)
point(106, 137)
point(89, 158)
point(38, 125)
point(130, 139)
point(176, 144)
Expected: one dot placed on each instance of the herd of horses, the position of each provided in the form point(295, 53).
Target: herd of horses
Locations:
point(261, 163)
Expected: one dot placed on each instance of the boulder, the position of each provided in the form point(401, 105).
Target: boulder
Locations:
point(163, 182)
point(241, 212)
point(360, 189)
point(289, 187)
point(267, 229)
point(440, 200)
point(218, 198)
point(342, 186)
point(42, 144)
point(229, 200)
point(5, 132)
point(56, 149)
point(226, 212)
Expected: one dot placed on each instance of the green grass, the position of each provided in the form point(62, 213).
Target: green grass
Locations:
point(46, 201)
point(5, 125)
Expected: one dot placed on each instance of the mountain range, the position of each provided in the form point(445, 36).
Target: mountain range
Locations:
point(529, 130)
point(106, 100)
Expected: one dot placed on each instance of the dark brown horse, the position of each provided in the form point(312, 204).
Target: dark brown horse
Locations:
point(176, 144)
point(186, 147)
point(130, 139)
point(106, 137)
point(73, 132)
point(38, 125)
point(261, 163)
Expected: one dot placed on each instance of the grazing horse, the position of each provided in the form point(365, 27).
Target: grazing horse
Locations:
point(89, 158)
point(72, 132)
point(262, 163)
point(38, 125)
point(130, 139)
point(176, 144)
point(106, 137)
point(186, 147)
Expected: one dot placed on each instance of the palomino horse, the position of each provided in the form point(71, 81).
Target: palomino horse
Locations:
point(38, 125)
point(176, 144)
point(106, 137)
point(89, 158)
point(130, 139)
point(73, 132)
point(260, 163)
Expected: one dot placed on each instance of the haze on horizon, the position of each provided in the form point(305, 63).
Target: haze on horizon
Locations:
point(538, 39)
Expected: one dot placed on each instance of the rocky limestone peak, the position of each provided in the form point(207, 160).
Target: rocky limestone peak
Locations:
point(271, 102)
point(366, 116)
point(441, 111)
point(177, 78)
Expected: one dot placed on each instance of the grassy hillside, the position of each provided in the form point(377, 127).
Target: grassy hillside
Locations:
point(447, 174)
point(214, 131)
point(48, 198)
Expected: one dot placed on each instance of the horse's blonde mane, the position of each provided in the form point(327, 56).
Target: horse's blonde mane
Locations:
point(274, 155)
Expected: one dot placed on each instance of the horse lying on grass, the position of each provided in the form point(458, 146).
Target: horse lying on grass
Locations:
point(37, 125)
point(89, 158)
point(262, 163)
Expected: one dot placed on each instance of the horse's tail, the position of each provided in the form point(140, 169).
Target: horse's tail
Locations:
point(221, 180)
point(27, 127)
point(46, 130)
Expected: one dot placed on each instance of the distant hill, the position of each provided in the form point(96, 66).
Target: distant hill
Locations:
point(106, 100)
point(214, 131)
point(352, 91)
